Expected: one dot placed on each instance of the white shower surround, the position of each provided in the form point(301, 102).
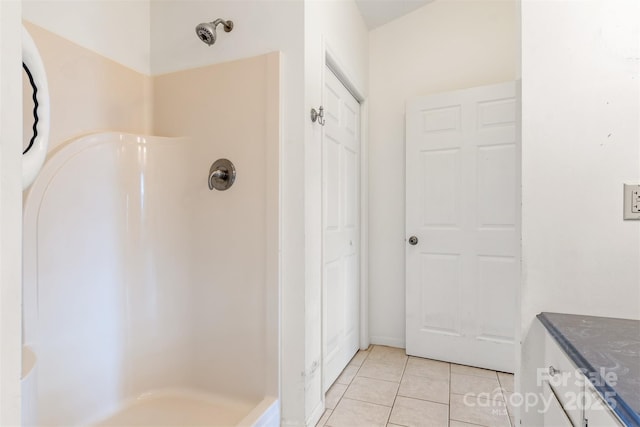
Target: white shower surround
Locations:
point(126, 294)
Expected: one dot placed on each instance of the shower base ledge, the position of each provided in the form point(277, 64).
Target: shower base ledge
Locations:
point(188, 408)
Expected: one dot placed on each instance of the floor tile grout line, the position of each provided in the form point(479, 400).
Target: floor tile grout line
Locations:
point(475, 395)
point(389, 359)
point(449, 417)
point(456, 394)
point(348, 385)
point(472, 374)
point(421, 399)
point(377, 379)
point(351, 381)
point(404, 368)
point(367, 401)
point(506, 403)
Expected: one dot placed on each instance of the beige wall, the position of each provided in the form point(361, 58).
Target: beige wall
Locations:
point(231, 110)
point(89, 92)
point(445, 45)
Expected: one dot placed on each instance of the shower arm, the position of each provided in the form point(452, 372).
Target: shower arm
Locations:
point(228, 25)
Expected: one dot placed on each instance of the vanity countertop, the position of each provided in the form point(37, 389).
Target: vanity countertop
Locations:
point(603, 346)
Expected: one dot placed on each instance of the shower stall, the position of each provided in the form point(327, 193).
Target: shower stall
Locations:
point(149, 298)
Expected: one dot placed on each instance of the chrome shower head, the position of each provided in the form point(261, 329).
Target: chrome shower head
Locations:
point(207, 33)
point(207, 30)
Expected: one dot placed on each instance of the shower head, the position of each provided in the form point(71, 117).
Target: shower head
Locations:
point(207, 30)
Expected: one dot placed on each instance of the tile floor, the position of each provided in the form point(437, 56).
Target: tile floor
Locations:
point(383, 387)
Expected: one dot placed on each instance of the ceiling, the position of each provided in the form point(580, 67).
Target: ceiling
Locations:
point(379, 12)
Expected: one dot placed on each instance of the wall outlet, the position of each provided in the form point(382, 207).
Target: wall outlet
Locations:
point(631, 201)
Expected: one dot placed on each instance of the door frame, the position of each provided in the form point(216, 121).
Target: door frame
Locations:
point(331, 61)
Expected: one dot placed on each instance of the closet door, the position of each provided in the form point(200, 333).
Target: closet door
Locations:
point(341, 227)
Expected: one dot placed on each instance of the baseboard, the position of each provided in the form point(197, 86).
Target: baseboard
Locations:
point(317, 413)
point(388, 341)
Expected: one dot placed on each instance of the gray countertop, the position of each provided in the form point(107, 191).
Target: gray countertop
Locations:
point(603, 346)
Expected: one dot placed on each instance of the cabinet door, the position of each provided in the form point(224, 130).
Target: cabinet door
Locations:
point(554, 416)
point(596, 412)
point(567, 382)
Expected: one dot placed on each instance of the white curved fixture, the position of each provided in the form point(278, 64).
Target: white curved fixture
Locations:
point(120, 290)
point(33, 158)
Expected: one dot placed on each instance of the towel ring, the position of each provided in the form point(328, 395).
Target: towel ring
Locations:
point(35, 154)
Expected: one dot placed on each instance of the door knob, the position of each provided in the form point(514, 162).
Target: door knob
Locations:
point(413, 240)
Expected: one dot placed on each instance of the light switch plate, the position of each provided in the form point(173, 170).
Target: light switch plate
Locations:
point(631, 201)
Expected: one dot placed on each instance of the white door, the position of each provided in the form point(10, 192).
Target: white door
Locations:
point(340, 227)
point(462, 196)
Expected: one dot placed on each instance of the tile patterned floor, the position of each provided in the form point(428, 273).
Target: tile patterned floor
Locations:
point(384, 387)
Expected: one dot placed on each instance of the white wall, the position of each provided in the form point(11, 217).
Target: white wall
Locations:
point(118, 30)
point(260, 26)
point(442, 46)
point(336, 26)
point(10, 212)
point(582, 148)
point(580, 143)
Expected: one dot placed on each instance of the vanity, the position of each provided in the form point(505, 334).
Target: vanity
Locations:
point(591, 371)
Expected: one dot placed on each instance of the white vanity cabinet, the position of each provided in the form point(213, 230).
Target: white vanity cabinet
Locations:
point(587, 372)
point(564, 379)
point(572, 399)
point(554, 415)
point(596, 412)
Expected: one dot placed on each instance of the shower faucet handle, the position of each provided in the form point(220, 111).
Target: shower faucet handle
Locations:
point(222, 175)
